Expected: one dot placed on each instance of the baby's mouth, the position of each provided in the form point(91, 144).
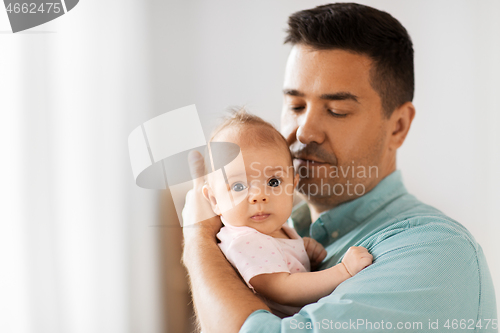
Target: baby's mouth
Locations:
point(260, 216)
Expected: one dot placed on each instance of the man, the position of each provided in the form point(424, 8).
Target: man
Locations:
point(347, 109)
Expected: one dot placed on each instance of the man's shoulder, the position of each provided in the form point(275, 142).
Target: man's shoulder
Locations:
point(424, 217)
point(422, 222)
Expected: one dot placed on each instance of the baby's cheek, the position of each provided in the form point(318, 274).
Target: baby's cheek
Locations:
point(286, 207)
point(235, 216)
point(239, 198)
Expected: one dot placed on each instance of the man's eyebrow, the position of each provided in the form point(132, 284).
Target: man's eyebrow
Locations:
point(340, 96)
point(293, 92)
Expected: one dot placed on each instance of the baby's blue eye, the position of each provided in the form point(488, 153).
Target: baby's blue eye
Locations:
point(274, 182)
point(238, 187)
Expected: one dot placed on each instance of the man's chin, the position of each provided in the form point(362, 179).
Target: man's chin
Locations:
point(315, 189)
point(324, 191)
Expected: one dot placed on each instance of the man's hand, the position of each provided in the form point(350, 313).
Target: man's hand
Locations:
point(198, 218)
point(315, 251)
point(356, 258)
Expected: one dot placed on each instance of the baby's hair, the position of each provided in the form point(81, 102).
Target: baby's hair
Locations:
point(262, 131)
point(259, 132)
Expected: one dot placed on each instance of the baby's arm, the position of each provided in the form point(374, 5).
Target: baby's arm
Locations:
point(299, 289)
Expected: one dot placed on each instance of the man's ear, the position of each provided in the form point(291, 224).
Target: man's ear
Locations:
point(209, 195)
point(400, 123)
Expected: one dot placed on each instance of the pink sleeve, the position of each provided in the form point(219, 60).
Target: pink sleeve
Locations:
point(255, 253)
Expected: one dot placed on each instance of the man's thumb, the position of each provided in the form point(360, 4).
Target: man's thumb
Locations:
point(196, 165)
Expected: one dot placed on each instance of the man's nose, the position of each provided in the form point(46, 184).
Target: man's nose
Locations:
point(257, 195)
point(310, 126)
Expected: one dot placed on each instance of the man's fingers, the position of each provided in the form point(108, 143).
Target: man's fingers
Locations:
point(196, 167)
point(196, 208)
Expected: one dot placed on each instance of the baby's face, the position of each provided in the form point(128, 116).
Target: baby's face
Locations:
point(263, 191)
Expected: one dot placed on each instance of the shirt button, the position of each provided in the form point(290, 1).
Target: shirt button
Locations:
point(335, 234)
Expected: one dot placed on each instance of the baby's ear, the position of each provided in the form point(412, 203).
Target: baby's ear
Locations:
point(205, 190)
point(209, 195)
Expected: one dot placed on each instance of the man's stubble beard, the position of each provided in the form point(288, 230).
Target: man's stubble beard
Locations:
point(366, 176)
point(328, 192)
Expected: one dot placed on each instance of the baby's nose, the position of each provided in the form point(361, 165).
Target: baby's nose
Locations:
point(258, 196)
point(256, 200)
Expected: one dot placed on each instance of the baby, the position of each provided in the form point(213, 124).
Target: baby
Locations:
point(270, 256)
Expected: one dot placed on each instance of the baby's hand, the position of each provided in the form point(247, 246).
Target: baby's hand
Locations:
point(357, 258)
point(315, 251)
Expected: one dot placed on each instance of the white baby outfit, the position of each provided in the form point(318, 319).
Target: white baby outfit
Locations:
point(253, 253)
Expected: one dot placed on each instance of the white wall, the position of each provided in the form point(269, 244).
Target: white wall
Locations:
point(78, 252)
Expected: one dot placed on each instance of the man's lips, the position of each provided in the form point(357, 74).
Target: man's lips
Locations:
point(308, 161)
point(260, 216)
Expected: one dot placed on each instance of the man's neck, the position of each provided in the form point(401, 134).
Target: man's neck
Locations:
point(316, 211)
point(317, 208)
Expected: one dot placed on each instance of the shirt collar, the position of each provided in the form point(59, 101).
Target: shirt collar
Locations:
point(339, 221)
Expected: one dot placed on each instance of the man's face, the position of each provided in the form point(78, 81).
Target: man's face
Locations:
point(333, 121)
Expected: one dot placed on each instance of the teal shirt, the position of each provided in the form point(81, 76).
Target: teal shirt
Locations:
point(428, 272)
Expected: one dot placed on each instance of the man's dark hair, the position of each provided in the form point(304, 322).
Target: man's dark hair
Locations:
point(364, 30)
